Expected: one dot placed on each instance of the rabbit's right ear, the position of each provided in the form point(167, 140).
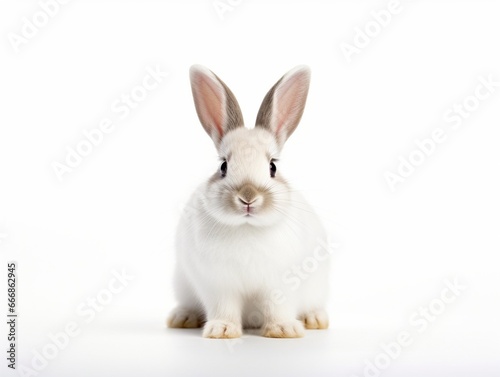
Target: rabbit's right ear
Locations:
point(215, 104)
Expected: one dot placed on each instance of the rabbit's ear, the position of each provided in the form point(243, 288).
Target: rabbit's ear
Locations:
point(283, 105)
point(216, 105)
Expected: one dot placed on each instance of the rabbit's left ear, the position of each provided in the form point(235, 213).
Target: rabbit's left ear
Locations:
point(215, 104)
point(284, 104)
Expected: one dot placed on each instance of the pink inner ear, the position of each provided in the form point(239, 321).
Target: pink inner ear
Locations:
point(289, 103)
point(210, 102)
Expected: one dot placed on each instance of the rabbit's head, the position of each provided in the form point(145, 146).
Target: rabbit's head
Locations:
point(248, 187)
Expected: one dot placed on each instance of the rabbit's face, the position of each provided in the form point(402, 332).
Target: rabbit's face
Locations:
point(247, 187)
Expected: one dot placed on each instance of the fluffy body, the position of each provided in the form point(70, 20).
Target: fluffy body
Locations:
point(238, 240)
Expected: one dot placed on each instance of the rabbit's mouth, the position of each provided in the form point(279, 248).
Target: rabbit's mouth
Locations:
point(248, 208)
point(242, 204)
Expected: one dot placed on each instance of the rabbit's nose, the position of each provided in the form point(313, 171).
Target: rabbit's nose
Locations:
point(247, 194)
point(245, 202)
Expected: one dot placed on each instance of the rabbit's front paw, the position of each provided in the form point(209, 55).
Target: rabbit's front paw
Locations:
point(291, 329)
point(219, 329)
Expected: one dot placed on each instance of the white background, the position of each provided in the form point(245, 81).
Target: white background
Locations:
point(118, 209)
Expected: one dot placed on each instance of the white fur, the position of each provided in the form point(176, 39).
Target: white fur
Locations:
point(235, 270)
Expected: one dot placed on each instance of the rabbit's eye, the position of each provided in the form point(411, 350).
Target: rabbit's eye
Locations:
point(223, 169)
point(272, 169)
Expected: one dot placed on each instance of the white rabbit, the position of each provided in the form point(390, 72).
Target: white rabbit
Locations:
point(245, 232)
